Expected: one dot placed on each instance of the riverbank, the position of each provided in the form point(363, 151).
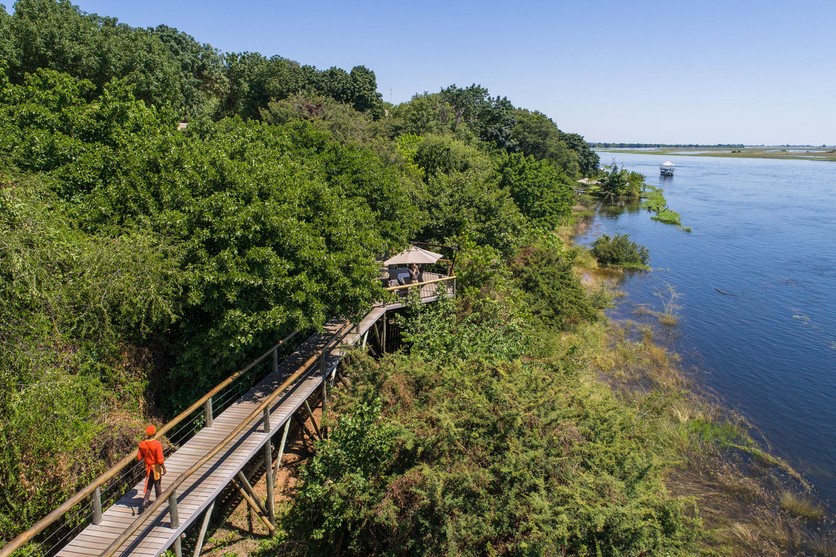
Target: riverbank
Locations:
point(749, 502)
point(806, 153)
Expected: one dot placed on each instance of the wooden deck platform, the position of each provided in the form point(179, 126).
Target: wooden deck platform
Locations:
point(203, 487)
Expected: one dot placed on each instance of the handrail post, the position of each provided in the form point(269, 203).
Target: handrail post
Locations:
point(276, 359)
point(265, 418)
point(174, 515)
point(97, 506)
point(324, 406)
point(207, 412)
point(172, 509)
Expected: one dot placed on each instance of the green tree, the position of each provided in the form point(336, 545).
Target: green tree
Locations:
point(203, 80)
point(620, 250)
point(466, 102)
point(554, 292)
point(8, 53)
point(424, 114)
point(55, 34)
point(364, 89)
point(537, 135)
point(621, 184)
point(587, 158)
point(541, 191)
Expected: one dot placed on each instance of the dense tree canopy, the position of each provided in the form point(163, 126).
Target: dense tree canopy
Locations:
point(141, 262)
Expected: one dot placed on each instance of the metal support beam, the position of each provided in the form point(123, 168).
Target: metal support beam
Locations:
point(377, 333)
point(324, 431)
point(254, 505)
point(245, 483)
point(207, 517)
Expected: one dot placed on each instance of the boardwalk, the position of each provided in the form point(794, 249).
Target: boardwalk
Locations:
point(218, 454)
point(203, 487)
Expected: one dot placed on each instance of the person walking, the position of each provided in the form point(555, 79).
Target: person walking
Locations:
point(151, 451)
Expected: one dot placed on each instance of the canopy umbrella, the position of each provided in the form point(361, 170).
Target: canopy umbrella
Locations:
point(413, 254)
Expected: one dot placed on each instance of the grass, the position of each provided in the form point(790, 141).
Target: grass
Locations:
point(801, 506)
point(654, 201)
point(806, 153)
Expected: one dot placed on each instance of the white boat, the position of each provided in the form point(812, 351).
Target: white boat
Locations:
point(666, 169)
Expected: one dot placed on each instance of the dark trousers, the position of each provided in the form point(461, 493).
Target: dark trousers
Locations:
point(149, 483)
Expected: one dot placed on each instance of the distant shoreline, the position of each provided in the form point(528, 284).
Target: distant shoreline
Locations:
point(791, 153)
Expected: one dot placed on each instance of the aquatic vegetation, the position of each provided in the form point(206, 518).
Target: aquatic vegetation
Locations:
point(654, 201)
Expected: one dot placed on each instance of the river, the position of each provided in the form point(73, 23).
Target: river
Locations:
point(757, 280)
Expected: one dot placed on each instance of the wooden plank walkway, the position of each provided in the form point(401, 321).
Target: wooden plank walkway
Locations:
point(203, 487)
point(198, 492)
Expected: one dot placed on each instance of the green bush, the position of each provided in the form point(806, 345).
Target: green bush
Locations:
point(466, 457)
point(620, 250)
point(553, 291)
point(620, 184)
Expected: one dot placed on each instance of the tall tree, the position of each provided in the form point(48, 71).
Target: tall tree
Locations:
point(587, 158)
point(537, 135)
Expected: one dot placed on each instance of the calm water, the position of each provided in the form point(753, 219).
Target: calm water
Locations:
point(763, 233)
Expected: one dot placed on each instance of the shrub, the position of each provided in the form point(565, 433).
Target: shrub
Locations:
point(620, 250)
point(553, 290)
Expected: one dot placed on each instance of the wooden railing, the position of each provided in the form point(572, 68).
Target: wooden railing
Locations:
point(425, 288)
point(93, 490)
point(261, 410)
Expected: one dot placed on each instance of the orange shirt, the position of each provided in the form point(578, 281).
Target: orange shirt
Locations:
point(151, 451)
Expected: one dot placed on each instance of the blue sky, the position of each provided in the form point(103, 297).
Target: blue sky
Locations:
point(648, 71)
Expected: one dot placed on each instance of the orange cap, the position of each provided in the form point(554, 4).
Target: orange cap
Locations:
point(150, 430)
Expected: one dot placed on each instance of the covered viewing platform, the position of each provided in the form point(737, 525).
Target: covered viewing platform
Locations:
point(418, 268)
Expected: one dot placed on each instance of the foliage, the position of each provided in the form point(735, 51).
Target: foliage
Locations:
point(424, 114)
point(71, 305)
point(654, 201)
point(620, 250)
point(553, 291)
point(587, 158)
point(57, 35)
point(621, 184)
point(535, 134)
point(462, 201)
point(541, 191)
point(490, 118)
point(341, 120)
point(470, 458)
point(165, 66)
